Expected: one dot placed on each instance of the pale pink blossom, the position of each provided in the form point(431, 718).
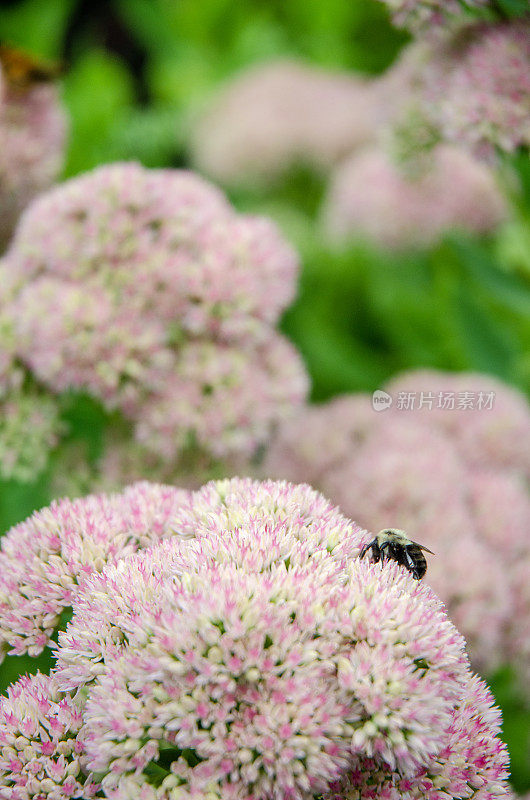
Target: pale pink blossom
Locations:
point(223, 399)
point(451, 470)
point(223, 676)
point(472, 765)
point(145, 289)
point(41, 754)
point(163, 243)
point(253, 525)
point(281, 114)
point(229, 642)
point(397, 206)
point(44, 559)
point(471, 89)
point(32, 143)
point(485, 95)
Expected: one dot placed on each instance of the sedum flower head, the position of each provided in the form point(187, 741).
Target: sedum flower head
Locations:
point(227, 396)
point(485, 101)
point(145, 289)
point(454, 478)
point(41, 754)
point(44, 559)
point(472, 764)
point(280, 114)
point(397, 207)
point(261, 680)
point(161, 241)
point(230, 644)
point(32, 141)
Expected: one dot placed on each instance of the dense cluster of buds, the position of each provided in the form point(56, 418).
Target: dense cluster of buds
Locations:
point(469, 87)
point(229, 643)
point(146, 290)
point(485, 89)
point(449, 463)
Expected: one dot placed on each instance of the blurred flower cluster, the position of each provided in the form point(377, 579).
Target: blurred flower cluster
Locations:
point(280, 113)
point(473, 88)
point(147, 291)
point(32, 142)
point(453, 471)
point(426, 15)
point(228, 643)
point(399, 208)
point(412, 150)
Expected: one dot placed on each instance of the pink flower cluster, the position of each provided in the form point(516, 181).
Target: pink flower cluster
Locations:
point(455, 478)
point(485, 95)
point(228, 643)
point(472, 89)
point(145, 289)
point(41, 755)
point(284, 113)
point(371, 195)
point(281, 114)
point(32, 140)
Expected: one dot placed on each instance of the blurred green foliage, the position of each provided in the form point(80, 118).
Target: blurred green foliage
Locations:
point(137, 74)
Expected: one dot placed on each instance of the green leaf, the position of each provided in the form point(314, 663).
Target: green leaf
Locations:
point(36, 25)
point(511, 290)
point(512, 8)
point(19, 500)
point(515, 727)
point(98, 93)
point(13, 667)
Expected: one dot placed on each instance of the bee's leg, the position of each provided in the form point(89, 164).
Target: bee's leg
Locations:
point(365, 549)
point(373, 546)
point(382, 552)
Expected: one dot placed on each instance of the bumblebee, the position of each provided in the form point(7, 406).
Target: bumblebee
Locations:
point(395, 544)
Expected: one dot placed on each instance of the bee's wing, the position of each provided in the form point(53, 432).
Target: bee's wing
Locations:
point(422, 546)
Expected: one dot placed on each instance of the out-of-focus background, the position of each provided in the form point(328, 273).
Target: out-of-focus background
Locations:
point(141, 78)
point(188, 84)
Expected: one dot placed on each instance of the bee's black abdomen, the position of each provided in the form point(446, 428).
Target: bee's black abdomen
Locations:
point(420, 564)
